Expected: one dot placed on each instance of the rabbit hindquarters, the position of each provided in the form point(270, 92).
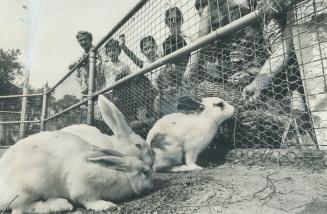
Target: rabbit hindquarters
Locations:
point(58, 167)
point(35, 168)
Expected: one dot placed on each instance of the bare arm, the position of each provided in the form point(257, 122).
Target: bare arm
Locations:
point(278, 59)
point(272, 7)
point(203, 29)
point(137, 61)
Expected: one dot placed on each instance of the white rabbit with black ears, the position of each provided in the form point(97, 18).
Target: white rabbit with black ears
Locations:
point(177, 139)
point(48, 171)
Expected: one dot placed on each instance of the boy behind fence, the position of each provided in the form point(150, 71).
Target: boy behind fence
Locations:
point(150, 50)
point(135, 97)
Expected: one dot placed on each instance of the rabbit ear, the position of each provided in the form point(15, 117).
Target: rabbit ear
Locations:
point(97, 151)
point(190, 103)
point(112, 162)
point(113, 117)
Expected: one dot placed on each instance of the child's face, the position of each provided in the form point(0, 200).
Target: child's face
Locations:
point(149, 49)
point(113, 53)
point(174, 21)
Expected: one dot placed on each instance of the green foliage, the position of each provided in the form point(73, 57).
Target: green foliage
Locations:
point(74, 116)
point(10, 69)
point(65, 102)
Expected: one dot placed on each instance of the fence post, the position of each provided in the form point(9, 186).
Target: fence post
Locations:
point(24, 106)
point(90, 104)
point(44, 106)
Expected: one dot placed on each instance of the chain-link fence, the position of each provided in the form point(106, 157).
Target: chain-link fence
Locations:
point(267, 58)
point(65, 100)
point(271, 68)
point(19, 116)
point(262, 68)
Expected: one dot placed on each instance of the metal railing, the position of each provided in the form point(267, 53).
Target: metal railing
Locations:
point(211, 46)
point(16, 112)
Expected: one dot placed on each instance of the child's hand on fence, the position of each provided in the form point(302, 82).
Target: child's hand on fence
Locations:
point(239, 77)
point(122, 40)
point(251, 93)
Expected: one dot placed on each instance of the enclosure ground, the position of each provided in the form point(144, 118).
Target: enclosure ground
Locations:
point(235, 189)
point(232, 189)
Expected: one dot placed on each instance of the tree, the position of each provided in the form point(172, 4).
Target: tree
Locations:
point(74, 116)
point(10, 69)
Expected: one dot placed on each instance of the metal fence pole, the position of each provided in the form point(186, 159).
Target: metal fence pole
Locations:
point(44, 107)
point(24, 106)
point(90, 103)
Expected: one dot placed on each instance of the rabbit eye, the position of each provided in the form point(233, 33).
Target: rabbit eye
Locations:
point(219, 104)
point(146, 172)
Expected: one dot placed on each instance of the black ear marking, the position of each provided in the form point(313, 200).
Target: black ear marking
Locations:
point(190, 104)
point(159, 142)
point(139, 146)
point(111, 162)
point(110, 152)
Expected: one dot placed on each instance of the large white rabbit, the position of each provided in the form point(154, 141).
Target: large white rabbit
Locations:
point(177, 139)
point(125, 140)
point(45, 172)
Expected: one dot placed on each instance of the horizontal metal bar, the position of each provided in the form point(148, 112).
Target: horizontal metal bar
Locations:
point(101, 42)
point(13, 112)
point(3, 147)
point(15, 96)
point(68, 73)
point(66, 110)
point(213, 36)
point(18, 121)
point(219, 33)
point(121, 23)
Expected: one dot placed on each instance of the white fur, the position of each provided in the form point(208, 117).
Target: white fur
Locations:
point(124, 139)
point(185, 136)
point(62, 166)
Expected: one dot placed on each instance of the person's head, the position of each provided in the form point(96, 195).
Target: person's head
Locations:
point(113, 49)
point(84, 38)
point(173, 43)
point(149, 47)
point(224, 11)
point(174, 20)
point(239, 8)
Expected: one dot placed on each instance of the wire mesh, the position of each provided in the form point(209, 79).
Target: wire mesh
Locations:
point(258, 69)
point(71, 91)
point(11, 117)
point(272, 72)
point(10, 109)
point(74, 116)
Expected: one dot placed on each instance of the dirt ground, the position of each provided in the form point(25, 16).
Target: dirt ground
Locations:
point(233, 189)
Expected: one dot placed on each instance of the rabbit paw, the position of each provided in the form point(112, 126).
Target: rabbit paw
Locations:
point(185, 168)
point(99, 205)
point(51, 205)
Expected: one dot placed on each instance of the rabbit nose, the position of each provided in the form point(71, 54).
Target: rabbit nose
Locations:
point(149, 187)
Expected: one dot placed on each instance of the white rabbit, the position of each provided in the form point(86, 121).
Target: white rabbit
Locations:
point(124, 140)
point(179, 138)
point(47, 171)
